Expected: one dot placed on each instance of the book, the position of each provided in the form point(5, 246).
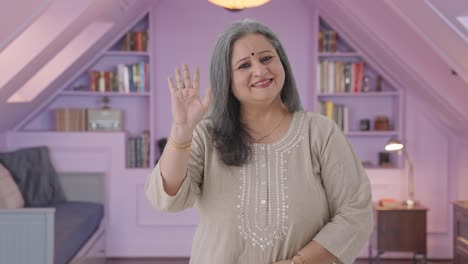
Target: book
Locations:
point(389, 202)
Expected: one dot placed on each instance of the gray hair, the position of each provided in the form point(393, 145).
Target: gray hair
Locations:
point(229, 134)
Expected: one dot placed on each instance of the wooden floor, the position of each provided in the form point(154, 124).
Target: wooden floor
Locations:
point(185, 261)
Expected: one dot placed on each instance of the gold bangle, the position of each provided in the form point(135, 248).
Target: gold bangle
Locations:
point(299, 258)
point(184, 147)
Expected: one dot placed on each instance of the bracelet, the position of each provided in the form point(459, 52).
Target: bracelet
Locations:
point(176, 146)
point(298, 259)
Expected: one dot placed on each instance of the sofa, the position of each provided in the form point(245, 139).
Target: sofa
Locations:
point(38, 224)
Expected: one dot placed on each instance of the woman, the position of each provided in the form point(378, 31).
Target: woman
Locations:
point(273, 184)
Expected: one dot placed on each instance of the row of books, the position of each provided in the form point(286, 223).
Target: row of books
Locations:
point(138, 151)
point(340, 77)
point(134, 41)
point(126, 78)
point(327, 41)
point(337, 112)
point(70, 119)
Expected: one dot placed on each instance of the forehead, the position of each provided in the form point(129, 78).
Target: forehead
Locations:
point(251, 43)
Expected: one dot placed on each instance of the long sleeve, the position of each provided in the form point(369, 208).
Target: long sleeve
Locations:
point(190, 189)
point(348, 192)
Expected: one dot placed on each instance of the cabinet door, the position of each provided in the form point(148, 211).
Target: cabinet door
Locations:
point(402, 231)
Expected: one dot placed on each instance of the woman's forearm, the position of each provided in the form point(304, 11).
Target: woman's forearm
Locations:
point(174, 160)
point(314, 253)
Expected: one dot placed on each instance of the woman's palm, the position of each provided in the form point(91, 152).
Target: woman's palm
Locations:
point(187, 107)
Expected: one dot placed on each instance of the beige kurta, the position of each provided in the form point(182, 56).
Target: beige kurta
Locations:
point(309, 185)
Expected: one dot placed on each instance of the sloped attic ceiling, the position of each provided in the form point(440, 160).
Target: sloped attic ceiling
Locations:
point(438, 22)
point(402, 54)
point(391, 42)
point(52, 42)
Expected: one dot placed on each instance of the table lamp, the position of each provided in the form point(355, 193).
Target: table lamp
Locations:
point(396, 145)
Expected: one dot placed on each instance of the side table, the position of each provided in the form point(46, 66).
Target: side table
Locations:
point(399, 228)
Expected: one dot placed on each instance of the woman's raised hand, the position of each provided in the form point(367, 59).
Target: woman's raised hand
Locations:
point(187, 108)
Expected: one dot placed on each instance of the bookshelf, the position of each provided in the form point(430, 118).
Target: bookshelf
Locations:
point(357, 97)
point(117, 80)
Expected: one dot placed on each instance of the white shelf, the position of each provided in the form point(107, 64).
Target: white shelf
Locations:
point(371, 133)
point(126, 53)
point(338, 54)
point(360, 94)
point(89, 93)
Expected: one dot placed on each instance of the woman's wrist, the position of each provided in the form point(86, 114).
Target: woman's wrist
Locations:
point(181, 134)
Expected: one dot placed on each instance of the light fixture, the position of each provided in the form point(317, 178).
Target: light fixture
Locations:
point(238, 4)
point(396, 145)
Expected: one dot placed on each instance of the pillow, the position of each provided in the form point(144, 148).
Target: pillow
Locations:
point(10, 196)
point(35, 175)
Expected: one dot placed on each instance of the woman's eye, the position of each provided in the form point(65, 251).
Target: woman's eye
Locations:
point(267, 58)
point(243, 66)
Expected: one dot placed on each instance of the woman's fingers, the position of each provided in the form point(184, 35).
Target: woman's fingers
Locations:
point(196, 79)
point(186, 72)
point(179, 79)
point(184, 81)
point(171, 84)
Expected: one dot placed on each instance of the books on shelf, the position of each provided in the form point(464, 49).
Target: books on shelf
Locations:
point(138, 151)
point(70, 119)
point(126, 78)
point(389, 202)
point(340, 77)
point(336, 112)
point(327, 41)
point(134, 41)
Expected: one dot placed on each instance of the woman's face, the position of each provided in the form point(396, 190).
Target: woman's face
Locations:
point(257, 75)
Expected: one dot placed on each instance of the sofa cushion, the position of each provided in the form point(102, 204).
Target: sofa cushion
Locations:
point(75, 223)
point(10, 195)
point(35, 175)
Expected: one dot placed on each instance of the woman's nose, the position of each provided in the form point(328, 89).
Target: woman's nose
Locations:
point(259, 69)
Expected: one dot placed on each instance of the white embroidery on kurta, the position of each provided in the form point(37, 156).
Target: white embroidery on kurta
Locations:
point(263, 199)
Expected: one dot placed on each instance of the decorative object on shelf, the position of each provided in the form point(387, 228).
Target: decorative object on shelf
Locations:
point(366, 86)
point(364, 124)
point(105, 102)
point(80, 88)
point(378, 84)
point(238, 4)
point(396, 145)
point(104, 119)
point(381, 123)
point(384, 160)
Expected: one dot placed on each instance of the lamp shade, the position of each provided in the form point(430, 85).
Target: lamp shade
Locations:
point(393, 145)
point(238, 4)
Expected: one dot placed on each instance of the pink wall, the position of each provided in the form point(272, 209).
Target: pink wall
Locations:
point(185, 32)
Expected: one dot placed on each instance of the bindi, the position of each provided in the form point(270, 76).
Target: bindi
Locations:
point(253, 54)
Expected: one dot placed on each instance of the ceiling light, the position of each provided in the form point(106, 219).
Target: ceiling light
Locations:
point(238, 4)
